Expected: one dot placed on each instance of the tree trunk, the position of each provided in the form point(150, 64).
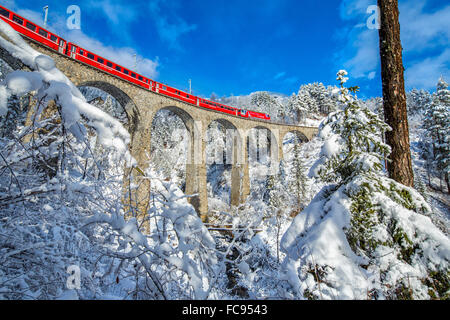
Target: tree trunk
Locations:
point(448, 182)
point(394, 97)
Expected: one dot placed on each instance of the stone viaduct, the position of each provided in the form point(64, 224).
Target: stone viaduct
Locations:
point(141, 105)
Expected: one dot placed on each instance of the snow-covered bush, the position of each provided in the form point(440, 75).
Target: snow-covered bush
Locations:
point(176, 260)
point(365, 236)
point(61, 203)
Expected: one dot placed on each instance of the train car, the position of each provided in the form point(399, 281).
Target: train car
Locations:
point(175, 93)
point(218, 107)
point(243, 113)
point(259, 115)
point(78, 53)
point(33, 31)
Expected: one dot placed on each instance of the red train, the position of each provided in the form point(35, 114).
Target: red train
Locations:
point(51, 40)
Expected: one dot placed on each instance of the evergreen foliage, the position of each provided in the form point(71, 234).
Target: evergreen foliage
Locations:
point(437, 125)
point(379, 226)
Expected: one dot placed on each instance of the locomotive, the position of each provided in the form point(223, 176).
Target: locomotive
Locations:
point(72, 50)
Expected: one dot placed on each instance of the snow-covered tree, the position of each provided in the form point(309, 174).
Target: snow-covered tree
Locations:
point(58, 216)
point(298, 184)
point(307, 101)
point(356, 143)
point(168, 146)
point(364, 236)
point(417, 101)
point(269, 104)
point(437, 124)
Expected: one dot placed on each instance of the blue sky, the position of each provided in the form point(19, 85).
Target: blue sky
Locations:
point(238, 47)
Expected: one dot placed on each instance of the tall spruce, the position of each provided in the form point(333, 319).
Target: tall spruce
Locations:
point(437, 124)
point(297, 185)
point(394, 97)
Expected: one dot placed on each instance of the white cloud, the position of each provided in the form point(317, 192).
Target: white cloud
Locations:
point(366, 56)
point(350, 8)
point(116, 12)
point(421, 30)
point(10, 4)
point(425, 74)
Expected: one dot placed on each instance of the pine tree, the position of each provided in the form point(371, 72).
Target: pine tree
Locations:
point(266, 103)
point(297, 185)
point(305, 103)
point(417, 101)
point(379, 227)
point(15, 115)
point(437, 123)
point(357, 144)
point(291, 107)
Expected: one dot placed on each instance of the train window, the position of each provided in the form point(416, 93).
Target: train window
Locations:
point(90, 56)
point(187, 96)
point(125, 71)
point(140, 78)
point(43, 33)
point(164, 87)
point(118, 68)
point(4, 12)
point(100, 60)
point(81, 52)
point(109, 64)
point(53, 38)
point(31, 26)
point(133, 75)
point(17, 19)
point(61, 42)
